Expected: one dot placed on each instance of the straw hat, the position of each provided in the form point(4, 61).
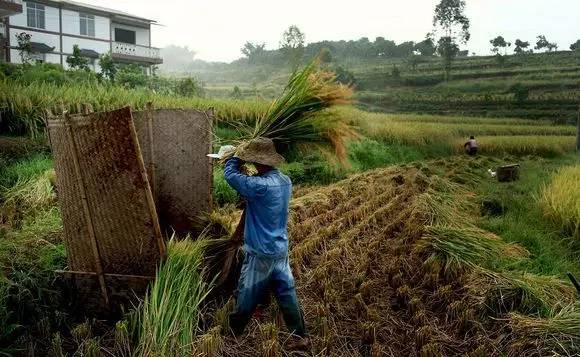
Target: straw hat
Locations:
point(260, 151)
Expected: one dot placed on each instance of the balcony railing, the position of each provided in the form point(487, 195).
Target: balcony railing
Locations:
point(10, 7)
point(142, 52)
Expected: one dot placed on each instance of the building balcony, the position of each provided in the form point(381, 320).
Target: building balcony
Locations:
point(10, 7)
point(127, 52)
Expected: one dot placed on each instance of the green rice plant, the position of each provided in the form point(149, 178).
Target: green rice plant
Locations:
point(560, 199)
point(167, 321)
point(540, 145)
point(24, 105)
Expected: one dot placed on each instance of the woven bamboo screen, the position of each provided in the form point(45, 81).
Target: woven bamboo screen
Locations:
point(174, 144)
point(108, 213)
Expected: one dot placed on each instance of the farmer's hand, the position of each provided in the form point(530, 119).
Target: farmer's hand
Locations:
point(224, 152)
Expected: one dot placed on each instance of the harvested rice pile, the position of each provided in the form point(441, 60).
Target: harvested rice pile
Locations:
point(389, 263)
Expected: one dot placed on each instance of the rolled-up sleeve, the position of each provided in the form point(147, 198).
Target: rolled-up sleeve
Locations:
point(247, 186)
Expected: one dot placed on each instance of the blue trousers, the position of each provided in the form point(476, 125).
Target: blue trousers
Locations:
point(258, 277)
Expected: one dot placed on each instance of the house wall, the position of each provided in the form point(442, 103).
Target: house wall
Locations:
point(51, 22)
point(141, 34)
point(98, 46)
point(71, 25)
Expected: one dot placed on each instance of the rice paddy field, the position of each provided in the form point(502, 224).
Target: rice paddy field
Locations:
point(400, 243)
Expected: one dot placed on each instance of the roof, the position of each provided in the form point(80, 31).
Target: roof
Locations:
point(40, 47)
point(102, 9)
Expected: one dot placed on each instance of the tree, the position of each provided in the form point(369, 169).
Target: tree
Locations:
point(543, 43)
point(253, 51)
point(575, 46)
point(24, 47)
point(447, 49)
point(77, 61)
point(450, 18)
point(189, 87)
point(426, 47)
point(108, 67)
point(499, 42)
point(292, 45)
point(521, 46)
point(325, 56)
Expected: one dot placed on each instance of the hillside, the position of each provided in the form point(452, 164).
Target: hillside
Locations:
point(531, 86)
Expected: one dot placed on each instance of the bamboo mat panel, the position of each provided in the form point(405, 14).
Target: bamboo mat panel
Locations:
point(174, 144)
point(110, 171)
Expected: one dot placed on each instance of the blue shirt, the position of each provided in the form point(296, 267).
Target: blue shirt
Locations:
point(267, 197)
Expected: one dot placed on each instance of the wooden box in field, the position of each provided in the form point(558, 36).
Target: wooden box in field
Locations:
point(508, 173)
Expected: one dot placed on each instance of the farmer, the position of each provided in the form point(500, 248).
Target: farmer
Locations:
point(471, 146)
point(266, 266)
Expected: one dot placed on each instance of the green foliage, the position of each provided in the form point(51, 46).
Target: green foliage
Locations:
point(236, 93)
point(448, 50)
point(292, 45)
point(575, 46)
point(108, 66)
point(325, 55)
point(131, 76)
point(24, 47)
point(313, 169)
point(521, 92)
point(77, 61)
point(369, 154)
point(450, 18)
point(499, 42)
point(543, 43)
point(426, 47)
point(189, 87)
point(253, 51)
point(521, 46)
point(345, 76)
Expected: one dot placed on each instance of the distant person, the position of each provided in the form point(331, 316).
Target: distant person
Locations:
point(471, 146)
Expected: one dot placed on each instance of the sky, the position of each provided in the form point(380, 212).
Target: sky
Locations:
point(216, 29)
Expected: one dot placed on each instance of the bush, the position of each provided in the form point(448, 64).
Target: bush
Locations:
point(131, 76)
point(189, 87)
point(521, 92)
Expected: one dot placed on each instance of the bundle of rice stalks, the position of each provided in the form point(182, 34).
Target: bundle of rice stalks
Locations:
point(167, 321)
point(299, 115)
point(523, 292)
point(458, 248)
point(558, 334)
point(28, 196)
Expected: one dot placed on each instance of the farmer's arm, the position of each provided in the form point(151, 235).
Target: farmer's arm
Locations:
point(247, 186)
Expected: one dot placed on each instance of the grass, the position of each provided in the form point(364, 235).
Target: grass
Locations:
point(523, 220)
point(167, 321)
point(560, 199)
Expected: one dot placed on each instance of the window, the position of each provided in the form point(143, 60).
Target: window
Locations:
point(126, 36)
point(35, 15)
point(87, 25)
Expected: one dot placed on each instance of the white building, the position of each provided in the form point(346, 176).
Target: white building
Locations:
point(56, 26)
